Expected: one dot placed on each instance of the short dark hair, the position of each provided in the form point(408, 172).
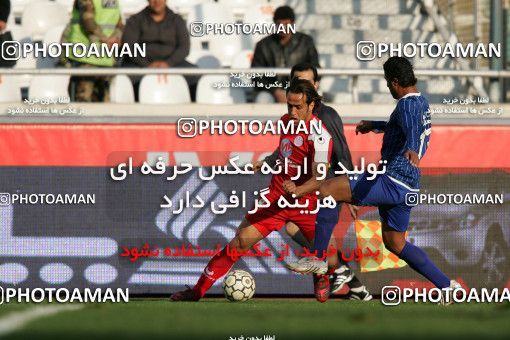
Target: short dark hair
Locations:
point(399, 68)
point(283, 13)
point(300, 67)
point(305, 87)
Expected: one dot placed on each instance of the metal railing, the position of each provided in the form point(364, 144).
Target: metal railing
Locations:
point(352, 73)
point(448, 35)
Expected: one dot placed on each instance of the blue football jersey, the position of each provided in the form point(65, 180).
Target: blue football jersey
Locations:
point(408, 128)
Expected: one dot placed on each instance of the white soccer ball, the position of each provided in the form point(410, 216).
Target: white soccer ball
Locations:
point(239, 285)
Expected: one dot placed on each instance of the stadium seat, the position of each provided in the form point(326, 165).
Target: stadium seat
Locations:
point(53, 35)
point(195, 45)
point(264, 98)
point(239, 7)
point(225, 47)
point(164, 89)
point(258, 14)
point(336, 89)
point(203, 59)
point(242, 59)
point(210, 13)
point(10, 91)
point(17, 6)
point(28, 63)
point(183, 3)
point(11, 21)
point(207, 93)
point(121, 90)
point(52, 86)
point(184, 7)
point(19, 33)
point(39, 16)
point(68, 4)
point(278, 3)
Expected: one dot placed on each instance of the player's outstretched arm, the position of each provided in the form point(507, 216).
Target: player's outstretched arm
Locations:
point(338, 188)
point(366, 126)
point(270, 160)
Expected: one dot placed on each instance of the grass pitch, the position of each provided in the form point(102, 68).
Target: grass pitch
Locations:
point(216, 318)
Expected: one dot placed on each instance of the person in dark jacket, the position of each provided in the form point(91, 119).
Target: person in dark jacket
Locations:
point(165, 36)
point(5, 10)
point(5, 35)
point(327, 218)
point(282, 50)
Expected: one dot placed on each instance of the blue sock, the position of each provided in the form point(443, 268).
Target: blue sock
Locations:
point(327, 218)
point(417, 259)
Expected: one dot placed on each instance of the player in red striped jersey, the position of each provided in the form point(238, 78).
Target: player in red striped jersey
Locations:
point(311, 147)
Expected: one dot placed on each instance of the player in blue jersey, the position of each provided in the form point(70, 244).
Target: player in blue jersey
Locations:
point(406, 138)
point(327, 218)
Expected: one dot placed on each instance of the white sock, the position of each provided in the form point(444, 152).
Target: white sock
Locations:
point(342, 268)
point(358, 289)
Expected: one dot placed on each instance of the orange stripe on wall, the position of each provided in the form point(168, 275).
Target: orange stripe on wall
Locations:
point(91, 144)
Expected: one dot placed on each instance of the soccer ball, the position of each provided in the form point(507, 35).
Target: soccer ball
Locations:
point(239, 285)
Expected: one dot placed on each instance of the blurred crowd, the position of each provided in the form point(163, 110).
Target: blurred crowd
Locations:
point(167, 41)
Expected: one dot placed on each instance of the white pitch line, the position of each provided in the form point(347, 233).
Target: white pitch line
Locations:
point(16, 320)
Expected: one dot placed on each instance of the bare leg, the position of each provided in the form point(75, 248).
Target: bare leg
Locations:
point(293, 231)
point(338, 187)
point(393, 240)
point(415, 257)
point(246, 236)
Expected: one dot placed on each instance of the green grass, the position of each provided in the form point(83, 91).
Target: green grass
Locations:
point(284, 318)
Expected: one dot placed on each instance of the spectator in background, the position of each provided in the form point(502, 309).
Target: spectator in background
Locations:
point(165, 36)
point(93, 22)
point(282, 50)
point(5, 10)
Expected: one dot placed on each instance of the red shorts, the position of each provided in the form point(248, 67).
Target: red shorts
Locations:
point(274, 218)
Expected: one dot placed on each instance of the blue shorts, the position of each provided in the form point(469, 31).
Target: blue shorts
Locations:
point(386, 194)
